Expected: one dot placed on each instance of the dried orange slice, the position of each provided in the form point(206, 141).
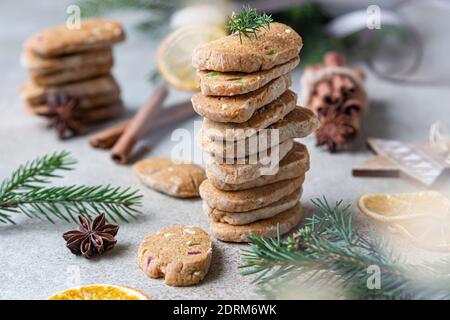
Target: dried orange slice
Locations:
point(404, 206)
point(175, 54)
point(422, 217)
point(100, 292)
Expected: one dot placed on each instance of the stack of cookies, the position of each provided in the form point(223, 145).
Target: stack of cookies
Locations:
point(251, 118)
point(75, 62)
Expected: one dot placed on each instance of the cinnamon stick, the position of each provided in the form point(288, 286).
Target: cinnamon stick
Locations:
point(338, 100)
point(354, 109)
point(166, 116)
point(349, 86)
point(338, 84)
point(324, 91)
point(318, 106)
point(138, 125)
point(107, 138)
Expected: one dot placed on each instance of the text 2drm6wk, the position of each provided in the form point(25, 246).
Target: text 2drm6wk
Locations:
point(224, 309)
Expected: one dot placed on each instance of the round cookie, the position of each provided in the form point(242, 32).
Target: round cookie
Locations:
point(102, 113)
point(299, 123)
point(262, 118)
point(271, 47)
point(236, 83)
point(176, 179)
point(37, 95)
point(250, 199)
point(293, 165)
point(84, 103)
point(239, 173)
point(70, 74)
point(92, 34)
point(238, 109)
point(40, 65)
point(240, 218)
point(93, 115)
point(180, 254)
point(265, 228)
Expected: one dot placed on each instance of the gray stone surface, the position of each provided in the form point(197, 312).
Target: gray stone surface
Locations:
point(34, 262)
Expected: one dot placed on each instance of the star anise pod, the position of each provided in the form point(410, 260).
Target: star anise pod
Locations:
point(62, 114)
point(335, 129)
point(91, 239)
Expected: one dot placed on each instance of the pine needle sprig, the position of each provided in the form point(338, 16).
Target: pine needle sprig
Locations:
point(26, 192)
point(329, 250)
point(34, 174)
point(248, 22)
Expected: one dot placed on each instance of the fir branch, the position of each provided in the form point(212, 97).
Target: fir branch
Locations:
point(33, 174)
point(329, 250)
point(25, 192)
point(248, 22)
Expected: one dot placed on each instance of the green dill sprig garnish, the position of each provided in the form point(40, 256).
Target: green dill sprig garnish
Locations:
point(248, 22)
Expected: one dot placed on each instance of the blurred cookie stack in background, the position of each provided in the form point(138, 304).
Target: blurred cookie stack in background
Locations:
point(73, 65)
point(254, 176)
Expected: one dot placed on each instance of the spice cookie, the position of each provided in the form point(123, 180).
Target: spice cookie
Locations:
point(37, 95)
point(277, 45)
point(214, 83)
point(101, 113)
point(182, 255)
point(95, 114)
point(238, 109)
point(250, 199)
point(40, 66)
point(60, 40)
point(240, 218)
point(297, 124)
point(293, 165)
point(84, 103)
point(176, 179)
point(266, 228)
point(262, 118)
point(237, 173)
point(70, 74)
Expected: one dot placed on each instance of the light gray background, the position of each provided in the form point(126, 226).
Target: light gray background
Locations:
point(34, 262)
